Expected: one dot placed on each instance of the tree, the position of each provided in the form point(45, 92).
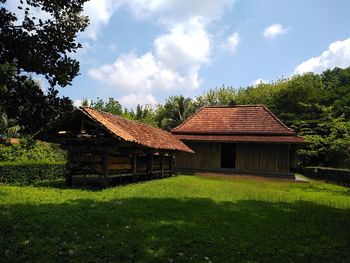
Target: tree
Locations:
point(223, 96)
point(42, 46)
point(30, 44)
point(144, 114)
point(27, 106)
point(174, 111)
point(337, 84)
point(328, 138)
point(112, 106)
point(288, 102)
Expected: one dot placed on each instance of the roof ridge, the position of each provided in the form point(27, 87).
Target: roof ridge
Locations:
point(236, 106)
point(277, 119)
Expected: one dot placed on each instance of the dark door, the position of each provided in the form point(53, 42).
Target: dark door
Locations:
point(228, 155)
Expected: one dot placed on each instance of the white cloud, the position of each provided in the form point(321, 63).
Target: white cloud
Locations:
point(173, 65)
point(133, 99)
point(169, 12)
point(177, 55)
point(232, 42)
point(99, 12)
point(274, 30)
point(77, 103)
point(259, 81)
point(179, 10)
point(337, 55)
point(186, 44)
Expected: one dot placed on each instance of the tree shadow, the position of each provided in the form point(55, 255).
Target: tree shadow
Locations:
point(163, 230)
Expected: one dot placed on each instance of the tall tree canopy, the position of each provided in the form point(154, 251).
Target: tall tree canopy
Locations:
point(42, 45)
point(39, 44)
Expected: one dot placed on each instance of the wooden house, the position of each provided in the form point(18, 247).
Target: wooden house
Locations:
point(237, 139)
point(102, 147)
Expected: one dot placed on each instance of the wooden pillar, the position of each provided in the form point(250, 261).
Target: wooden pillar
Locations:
point(150, 165)
point(69, 179)
point(162, 165)
point(134, 166)
point(171, 164)
point(289, 153)
point(82, 124)
point(105, 169)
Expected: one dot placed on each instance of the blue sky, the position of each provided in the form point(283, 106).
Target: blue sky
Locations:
point(142, 51)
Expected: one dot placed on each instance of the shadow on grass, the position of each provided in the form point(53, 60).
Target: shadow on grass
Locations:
point(156, 230)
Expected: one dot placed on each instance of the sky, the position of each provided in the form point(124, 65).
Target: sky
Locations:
point(142, 51)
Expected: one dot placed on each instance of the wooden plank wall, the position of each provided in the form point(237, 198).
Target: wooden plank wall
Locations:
point(207, 155)
point(263, 157)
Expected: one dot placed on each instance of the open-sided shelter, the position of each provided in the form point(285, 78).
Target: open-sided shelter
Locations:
point(102, 147)
point(245, 138)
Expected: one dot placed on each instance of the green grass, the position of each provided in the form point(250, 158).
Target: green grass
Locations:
point(179, 219)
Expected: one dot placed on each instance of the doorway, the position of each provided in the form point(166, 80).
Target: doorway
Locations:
point(228, 155)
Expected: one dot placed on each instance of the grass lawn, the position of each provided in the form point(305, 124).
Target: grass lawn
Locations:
point(179, 219)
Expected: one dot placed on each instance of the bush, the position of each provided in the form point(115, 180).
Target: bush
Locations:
point(28, 172)
point(28, 150)
point(339, 176)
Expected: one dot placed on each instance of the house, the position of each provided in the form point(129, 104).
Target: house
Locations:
point(246, 138)
point(103, 148)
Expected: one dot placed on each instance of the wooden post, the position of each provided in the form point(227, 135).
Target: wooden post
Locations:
point(105, 169)
point(171, 165)
point(84, 181)
point(150, 165)
point(162, 165)
point(134, 167)
point(289, 158)
point(69, 179)
point(82, 124)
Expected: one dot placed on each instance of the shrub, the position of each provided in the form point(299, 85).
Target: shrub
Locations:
point(28, 172)
point(27, 150)
point(339, 176)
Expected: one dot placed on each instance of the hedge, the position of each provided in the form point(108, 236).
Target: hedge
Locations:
point(28, 172)
point(339, 176)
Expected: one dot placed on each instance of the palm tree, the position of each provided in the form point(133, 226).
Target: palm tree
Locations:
point(175, 111)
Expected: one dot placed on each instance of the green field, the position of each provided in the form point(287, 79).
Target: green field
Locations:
point(179, 219)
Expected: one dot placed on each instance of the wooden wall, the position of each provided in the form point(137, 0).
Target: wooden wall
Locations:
point(262, 157)
point(207, 155)
point(249, 157)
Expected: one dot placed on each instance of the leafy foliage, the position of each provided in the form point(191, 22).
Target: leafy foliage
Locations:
point(27, 106)
point(112, 106)
point(29, 150)
point(175, 110)
point(42, 46)
point(29, 172)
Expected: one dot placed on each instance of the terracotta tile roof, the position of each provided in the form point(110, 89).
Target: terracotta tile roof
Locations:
point(240, 138)
point(253, 123)
point(136, 132)
point(245, 119)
